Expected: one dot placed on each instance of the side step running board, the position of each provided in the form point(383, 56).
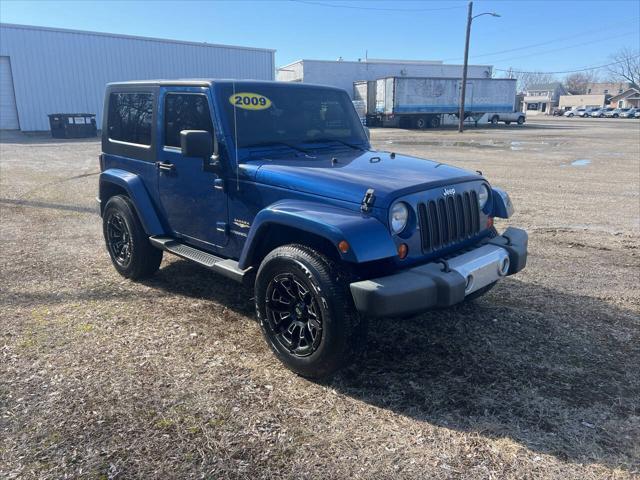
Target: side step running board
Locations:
point(228, 268)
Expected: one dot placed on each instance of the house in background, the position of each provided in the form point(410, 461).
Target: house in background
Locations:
point(541, 99)
point(606, 88)
point(628, 98)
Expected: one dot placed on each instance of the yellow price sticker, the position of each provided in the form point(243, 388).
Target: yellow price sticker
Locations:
point(250, 101)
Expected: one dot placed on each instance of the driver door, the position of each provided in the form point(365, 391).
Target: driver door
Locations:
point(193, 200)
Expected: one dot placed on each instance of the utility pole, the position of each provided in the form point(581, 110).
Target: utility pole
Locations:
point(463, 91)
point(464, 69)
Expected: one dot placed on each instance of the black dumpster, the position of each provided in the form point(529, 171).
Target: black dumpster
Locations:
point(73, 125)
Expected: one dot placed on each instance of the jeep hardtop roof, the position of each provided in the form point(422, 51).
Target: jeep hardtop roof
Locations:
point(208, 82)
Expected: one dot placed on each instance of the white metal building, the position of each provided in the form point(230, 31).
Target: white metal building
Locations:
point(47, 70)
point(342, 74)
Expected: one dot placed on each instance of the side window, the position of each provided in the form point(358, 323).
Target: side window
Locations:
point(130, 116)
point(184, 111)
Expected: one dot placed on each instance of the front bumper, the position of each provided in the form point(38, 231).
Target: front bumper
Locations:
point(442, 283)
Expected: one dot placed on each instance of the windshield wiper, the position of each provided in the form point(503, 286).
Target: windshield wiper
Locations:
point(273, 144)
point(326, 140)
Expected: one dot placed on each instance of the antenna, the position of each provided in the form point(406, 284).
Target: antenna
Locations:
point(235, 138)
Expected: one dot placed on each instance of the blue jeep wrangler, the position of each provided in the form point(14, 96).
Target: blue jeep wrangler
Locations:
point(276, 185)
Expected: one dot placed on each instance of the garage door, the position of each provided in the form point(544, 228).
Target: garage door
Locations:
point(8, 110)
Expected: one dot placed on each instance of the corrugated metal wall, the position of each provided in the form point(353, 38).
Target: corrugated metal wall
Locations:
point(63, 71)
point(343, 74)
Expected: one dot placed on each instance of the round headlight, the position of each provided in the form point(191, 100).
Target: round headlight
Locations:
point(398, 217)
point(483, 196)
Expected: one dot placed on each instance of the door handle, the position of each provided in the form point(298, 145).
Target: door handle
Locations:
point(166, 166)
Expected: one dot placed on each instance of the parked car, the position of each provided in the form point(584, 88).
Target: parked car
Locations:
point(558, 112)
point(507, 118)
point(600, 112)
point(615, 113)
point(281, 190)
point(575, 112)
point(629, 113)
point(637, 114)
point(587, 112)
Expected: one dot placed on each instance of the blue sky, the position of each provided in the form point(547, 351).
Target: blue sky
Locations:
point(566, 34)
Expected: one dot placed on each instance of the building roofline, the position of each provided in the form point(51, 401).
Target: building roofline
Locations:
point(385, 62)
point(632, 89)
point(131, 37)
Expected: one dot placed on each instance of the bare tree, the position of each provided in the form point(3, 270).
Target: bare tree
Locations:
point(528, 79)
point(626, 66)
point(578, 83)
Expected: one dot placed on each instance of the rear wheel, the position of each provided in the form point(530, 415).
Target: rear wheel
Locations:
point(494, 120)
point(434, 121)
point(306, 311)
point(128, 245)
point(420, 123)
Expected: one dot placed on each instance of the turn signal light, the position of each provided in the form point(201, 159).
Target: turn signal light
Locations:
point(403, 251)
point(343, 246)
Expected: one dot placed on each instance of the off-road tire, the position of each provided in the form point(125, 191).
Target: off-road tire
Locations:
point(344, 331)
point(144, 259)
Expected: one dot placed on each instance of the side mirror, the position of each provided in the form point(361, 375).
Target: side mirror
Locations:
point(201, 144)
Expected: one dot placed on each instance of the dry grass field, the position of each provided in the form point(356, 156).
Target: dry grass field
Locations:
point(103, 378)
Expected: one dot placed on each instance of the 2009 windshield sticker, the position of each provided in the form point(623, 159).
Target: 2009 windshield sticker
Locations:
point(250, 101)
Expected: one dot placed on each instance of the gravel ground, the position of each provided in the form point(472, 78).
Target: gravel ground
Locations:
point(170, 378)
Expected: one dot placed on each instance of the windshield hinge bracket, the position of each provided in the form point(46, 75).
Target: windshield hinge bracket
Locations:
point(368, 201)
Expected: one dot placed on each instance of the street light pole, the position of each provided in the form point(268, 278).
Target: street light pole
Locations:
point(463, 91)
point(464, 70)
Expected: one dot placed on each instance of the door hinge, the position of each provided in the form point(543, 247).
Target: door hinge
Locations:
point(218, 184)
point(368, 201)
point(222, 227)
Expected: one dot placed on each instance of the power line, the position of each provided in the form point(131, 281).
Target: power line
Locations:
point(353, 7)
point(593, 67)
point(526, 47)
point(564, 48)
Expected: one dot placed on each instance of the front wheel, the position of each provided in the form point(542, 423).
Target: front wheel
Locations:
point(306, 311)
point(520, 120)
point(128, 245)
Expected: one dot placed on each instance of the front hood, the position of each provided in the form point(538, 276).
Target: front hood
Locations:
point(354, 173)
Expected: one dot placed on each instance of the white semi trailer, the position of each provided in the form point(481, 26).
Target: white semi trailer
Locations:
point(423, 102)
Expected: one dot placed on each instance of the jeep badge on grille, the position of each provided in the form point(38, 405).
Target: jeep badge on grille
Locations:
point(448, 191)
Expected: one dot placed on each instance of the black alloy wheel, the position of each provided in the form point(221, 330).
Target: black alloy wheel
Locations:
point(128, 245)
point(306, 310)
point(119, 239)
point(293, 314)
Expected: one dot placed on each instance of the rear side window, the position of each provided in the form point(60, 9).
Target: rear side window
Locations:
point(185, 111)
point(130, 117)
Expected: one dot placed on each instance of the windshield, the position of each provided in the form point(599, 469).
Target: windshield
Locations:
point(290, 116)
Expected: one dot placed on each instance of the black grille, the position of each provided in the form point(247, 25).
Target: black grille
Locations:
point(448, 220)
